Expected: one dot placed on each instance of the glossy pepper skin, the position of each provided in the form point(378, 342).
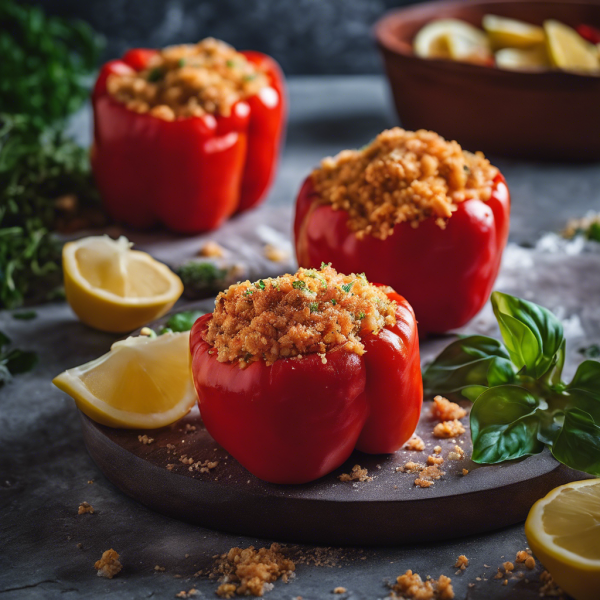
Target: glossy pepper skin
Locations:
point(190, 174)
point(446, 274)
point(297, 420)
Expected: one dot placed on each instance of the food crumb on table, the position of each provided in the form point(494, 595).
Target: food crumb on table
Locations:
point(448, 429)
point(160, 569)
point(144, 439)
point(275, 254)
point(410, 585)
point(84, 508)
point(465, 472)
point(548, 587)
point(462, 562)
point(428, 475)
point(411, 467)
point(108, 566)
point(415, 444)
point(444, 410)
point(435, 460)
point(457, 453)
point(212, 250)
point(340, 590)
point(188, 594)
point(356, 474)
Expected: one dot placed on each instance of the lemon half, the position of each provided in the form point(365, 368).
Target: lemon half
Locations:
point(568, 50)
point(142, 383)
point(510, 33)
point(563, 530)
point(113, 288)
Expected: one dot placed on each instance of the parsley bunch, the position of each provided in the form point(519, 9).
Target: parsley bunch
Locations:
point(521, 404)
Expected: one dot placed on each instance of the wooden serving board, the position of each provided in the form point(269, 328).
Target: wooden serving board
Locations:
point(388, 510)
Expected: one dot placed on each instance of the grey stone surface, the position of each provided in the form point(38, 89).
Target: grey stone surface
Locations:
point(44, 468)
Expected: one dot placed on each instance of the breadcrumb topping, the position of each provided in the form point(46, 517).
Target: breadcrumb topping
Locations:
point(314, 311)
point(444, 410)
point(212, 249)
point(410, 585)
point(428, 476)
point(448, 429)
point(189, 80)
point(108, 566)
point(357, 474)
point(251, 572)
point(402, 176)
point(84, 508)
point(144, 439)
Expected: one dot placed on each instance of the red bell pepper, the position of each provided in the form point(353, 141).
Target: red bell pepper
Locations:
point(190, 174)
point(589, 33)
point(446, 274)
point(297, 420)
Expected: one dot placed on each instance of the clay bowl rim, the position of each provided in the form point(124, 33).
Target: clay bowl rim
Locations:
point(390, 42)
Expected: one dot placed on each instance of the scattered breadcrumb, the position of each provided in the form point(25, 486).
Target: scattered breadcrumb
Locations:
point(340, 590)
point(251, 572)
point(411, 467)
point(428, 475)
point(188, 594)
point(435, 460)
point(90, 481)
point(189, 428)
point(448, 429)
point(211, 249)
point(508, 566)
point(410, 585)
point(457, 453)
point(357, 474)
point(437, 449)
point(159, 568)
point(145, 439)
point(465, 472)
point(85, 507)
point(505, 582)
point(530, 563)
point(499, 574)
point(275, 254)
point(444, 410)
point(108, 566)
point(170, 466)
point(462, 562)
point(415, 443)
point(79, 545)
point(548, 587)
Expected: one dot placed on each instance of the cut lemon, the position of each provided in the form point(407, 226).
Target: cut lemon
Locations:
point(563, 530)
point(568, 50)
point(510, 33)
point(452, 38)
point(142, 383)
point(113, 288)
point(514, 59)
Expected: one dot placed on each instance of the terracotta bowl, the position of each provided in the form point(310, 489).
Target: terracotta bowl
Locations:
point(538, 114)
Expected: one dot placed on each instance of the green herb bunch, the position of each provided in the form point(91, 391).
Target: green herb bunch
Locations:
point(15, 361)
point(521, 404)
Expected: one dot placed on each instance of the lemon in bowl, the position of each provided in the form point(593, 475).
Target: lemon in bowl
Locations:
point(563, 530)
point(113, 288)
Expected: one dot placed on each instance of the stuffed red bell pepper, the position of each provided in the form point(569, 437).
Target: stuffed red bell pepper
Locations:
point(293, 373)
point(186, 136)
point(412, 211)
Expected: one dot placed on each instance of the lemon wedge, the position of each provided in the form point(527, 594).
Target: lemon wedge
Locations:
point(113, 288)
point(142, 383)
point(515, 59)
point(568, 50)
point(510, 33)
point(452, 38)
point(563, 530)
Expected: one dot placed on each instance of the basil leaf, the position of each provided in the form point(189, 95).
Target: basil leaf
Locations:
point(587, 378)
point(531, 333)
point(504, 425)
point(182, 321)
point(584, 400)
point(472, 392)
point(500, 371)
point(465, 362)
point(20, 361)
point(578, 444)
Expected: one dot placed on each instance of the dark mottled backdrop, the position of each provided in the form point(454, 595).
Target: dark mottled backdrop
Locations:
point(305, 36)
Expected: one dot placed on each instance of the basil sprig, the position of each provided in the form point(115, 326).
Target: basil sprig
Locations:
point(520, 402)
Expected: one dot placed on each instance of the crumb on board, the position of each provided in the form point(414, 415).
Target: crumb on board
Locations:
point(188, 594)
point(548, 587)
point(462, 562)
point(84, 508)
point(525, 557)
point(251, 572)
point(159, 569)
point(444, 410)
point(438, 450)
point(90, 481)
point(189, 428)
point(457, 453)
point(499, 574)
point(108, 566)
point(465, 472)
point(410, 585)
point(428, 475)
point(144, 439)
point(435, 460)
point(415, 444)
point(448, 429)
point(508, 566)
point(339, 590)
point(411, 467)
point(275, 254)
point(356, 474)
point(212, 250)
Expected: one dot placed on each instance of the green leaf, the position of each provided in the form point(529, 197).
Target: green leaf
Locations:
point(472, 392)
point(587, 377)
point(25, 315)
point(466, 362)
point(578, 444)
point(4, 340)
point(20, 361)
point(182, 321)
point(504, 425)
point(531, 333)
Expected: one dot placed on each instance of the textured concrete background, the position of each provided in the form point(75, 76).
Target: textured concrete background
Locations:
point(305, 36)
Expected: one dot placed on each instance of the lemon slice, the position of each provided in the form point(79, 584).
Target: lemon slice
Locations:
point(568, 50)
point(113, 288)
point(563, 530)
point(142, 383)
point(515, 59)
point(452, 38)
point(510, 33)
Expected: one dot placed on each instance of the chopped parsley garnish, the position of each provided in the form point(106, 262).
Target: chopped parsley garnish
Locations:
point(362, 276)
point(275, 284)
point(249, 292)
point(260, 284)
point(156, 74)
point(347, 287)
point(333, 301)
point(249, 77)
point(230, 64)
point(181, 62)
point(361, 315)
point(314, 307)
point(298, 284)
point(324, 264)
point(323, 284)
